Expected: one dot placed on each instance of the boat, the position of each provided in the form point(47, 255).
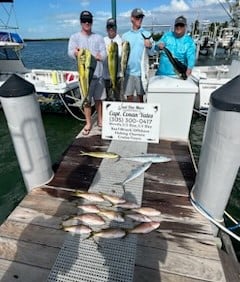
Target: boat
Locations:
point(57, 91)
point(210, 78)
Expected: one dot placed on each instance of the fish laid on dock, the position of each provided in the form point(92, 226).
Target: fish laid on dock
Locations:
point(139, 217)
point(90, 196)
point(145, 227)
point(147, 211)
point(86, 218)
point(89, 208)
point(78, 229)
point(109, 233)
point(112, 215)
point(126, 205)
point(154, 158)
point(102, 155)
point(113, 199)
point(134, 173)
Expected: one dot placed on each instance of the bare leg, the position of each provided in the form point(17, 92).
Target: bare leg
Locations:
point(98, 104)
point(140, 98)
point(130, 98)
point(88, 125)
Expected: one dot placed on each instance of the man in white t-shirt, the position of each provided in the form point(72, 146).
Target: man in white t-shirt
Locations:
point(112, 36)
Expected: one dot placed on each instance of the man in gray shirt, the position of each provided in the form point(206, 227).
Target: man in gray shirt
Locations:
point(95, 44)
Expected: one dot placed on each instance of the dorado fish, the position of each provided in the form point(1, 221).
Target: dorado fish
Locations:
point(154, 158)
point(90, 196)
point(134, 173)
point(178, 66)
point(124, 57)
point(144, 228)
point(113, 63)
point(77, 229)
point(86, 67)
point(103, 155)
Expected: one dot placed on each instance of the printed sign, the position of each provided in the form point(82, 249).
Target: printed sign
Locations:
point(131, 121)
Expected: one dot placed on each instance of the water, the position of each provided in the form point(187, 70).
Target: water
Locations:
point(61, 130)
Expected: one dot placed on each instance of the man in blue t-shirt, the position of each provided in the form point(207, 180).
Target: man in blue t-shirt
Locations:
point(180, 45)
point(139, 40)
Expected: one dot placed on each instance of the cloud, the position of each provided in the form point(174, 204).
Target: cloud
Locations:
point(84, 3)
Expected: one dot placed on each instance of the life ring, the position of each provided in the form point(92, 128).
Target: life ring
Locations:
point(69, 77)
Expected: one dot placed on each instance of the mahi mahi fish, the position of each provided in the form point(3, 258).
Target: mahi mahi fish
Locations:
point(124, 57)
point(154, 158)
point(178, 66)
point(113, 63)
point(134, 173)
point(86, 67)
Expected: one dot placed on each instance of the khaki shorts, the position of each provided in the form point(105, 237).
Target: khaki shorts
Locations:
point(133, 84)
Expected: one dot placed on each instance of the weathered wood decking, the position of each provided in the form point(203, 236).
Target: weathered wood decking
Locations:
point(183, 249)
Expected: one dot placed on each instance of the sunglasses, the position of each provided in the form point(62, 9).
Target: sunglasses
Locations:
point(179, 25)
point(138, 17)
point(86, 21)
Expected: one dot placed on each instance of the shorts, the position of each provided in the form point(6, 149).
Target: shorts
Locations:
point(131, 84)
point(97, 89)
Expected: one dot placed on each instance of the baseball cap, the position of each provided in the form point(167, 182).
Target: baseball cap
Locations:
point(86, 15)
point(137, 12)
point(111, 23)
point(181, 20)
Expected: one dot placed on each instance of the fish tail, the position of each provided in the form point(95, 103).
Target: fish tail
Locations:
point(82, 153)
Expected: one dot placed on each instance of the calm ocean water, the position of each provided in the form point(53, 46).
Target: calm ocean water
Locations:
point(61, 130)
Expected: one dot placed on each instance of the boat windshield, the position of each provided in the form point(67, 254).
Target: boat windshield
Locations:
point(8, 54)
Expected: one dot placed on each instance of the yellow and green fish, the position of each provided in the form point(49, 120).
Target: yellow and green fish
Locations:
point(86, 67)
point(113, 63)
point(102, 155)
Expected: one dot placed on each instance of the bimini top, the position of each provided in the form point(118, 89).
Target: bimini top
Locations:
point(6, 1)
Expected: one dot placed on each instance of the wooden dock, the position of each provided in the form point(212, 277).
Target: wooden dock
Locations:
point(182, 249)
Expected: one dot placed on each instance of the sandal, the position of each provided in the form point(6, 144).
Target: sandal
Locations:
point(86, 131)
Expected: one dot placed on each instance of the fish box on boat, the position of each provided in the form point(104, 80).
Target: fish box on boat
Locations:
point(210, 78)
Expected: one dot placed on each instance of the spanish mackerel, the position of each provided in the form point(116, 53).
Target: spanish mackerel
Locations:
point(154, 158)
point(134, 173)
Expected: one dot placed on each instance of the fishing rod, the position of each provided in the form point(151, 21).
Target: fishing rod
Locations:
point(227, 12)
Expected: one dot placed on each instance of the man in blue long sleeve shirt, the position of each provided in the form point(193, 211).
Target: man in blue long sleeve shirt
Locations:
point(180, 45)
point(139, 39)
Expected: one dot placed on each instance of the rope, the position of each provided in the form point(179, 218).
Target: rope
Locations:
point(200, 112)
point(69, 110)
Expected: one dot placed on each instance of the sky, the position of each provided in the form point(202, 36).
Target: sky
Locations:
point(43, 19)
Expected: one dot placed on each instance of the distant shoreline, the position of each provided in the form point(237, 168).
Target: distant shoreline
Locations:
point(49, 39)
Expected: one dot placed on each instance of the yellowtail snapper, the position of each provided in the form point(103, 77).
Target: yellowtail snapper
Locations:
point(102, 155)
